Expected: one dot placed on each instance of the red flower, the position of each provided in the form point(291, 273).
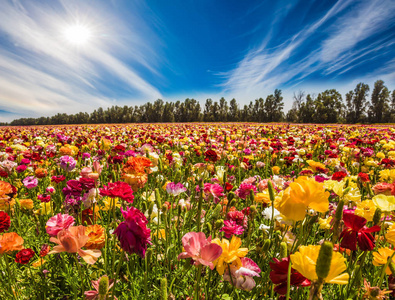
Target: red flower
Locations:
point(357, 233)
point(118, 189)
point(364, 177)
point(210, 155)
point(279, 274)
point(5, 221)
point(23, 257)
point(338, 176)
point(58, 178)
point(228, 186)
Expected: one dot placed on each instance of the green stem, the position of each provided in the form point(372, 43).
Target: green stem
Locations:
point(116, 275)
point(79, 272)
point(199, 274)
point(289, 279)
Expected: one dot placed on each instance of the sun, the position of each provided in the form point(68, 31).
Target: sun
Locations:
point(78, 35)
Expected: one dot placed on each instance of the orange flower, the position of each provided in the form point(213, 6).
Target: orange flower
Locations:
point(97, 238)
point(41, 173)
point(137, 165)
point(26, 203)
point(65, 150)
point(10, 241)
point(71, 240)
point(136, 181)
point(5, 190)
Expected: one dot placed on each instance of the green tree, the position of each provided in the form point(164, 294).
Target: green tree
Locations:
point(379, 102)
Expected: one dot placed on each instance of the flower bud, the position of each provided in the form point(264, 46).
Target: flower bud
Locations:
point(216, 211)
point(339, 210)
point(219, 223)
point(252, 195)
point(324, 260)
point(148, 256)
point(163, 289)
point(151, 208)
point(377, 216)
point(157, 198)
point(253, 209)
point(103, 285)
point(266, 245)
point(208, 227)
point(271, 191)
point(231, 196)
point(283, 250)
point(233, 203)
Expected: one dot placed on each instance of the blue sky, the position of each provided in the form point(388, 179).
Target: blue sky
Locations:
point(140, 51)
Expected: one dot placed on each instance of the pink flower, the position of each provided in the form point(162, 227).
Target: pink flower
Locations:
point(242, 277)
point(133, 233)
point(244, 190)
point(85, 172)
point(231, 228)
point(383, 188)
point(213, 191)
point(94, 294)
point(59, 222)
point(200, 249)
point(71, 240)
point(67, 163)
point(30, 182)
point(175, 189)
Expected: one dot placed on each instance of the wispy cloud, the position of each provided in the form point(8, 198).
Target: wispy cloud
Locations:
point(344, 26)
point(40, 74)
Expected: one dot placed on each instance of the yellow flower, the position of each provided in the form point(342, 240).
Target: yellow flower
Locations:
point(387, 175)
point(366, 209)
point(304, 261)
point(231, 253)
point(38, 263)
point(45, 208)
point(301, 194)
point(325, 223)
point(276, 169)
point(161, 234)
point(263, 197)
point(26, 203)
point(380, 258)
point(97, 238)
point(390, 235)
point(315, 164)
point(385, 203)
point(380, 155)
point(108, 203)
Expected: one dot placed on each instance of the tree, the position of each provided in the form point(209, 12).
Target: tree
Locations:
point(379, 102)
point(233, 113)
point(357, 103)
point(328, 107)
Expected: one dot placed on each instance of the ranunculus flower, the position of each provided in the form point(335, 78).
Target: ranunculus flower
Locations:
point(242, 277)
point(200, 249)
point(10, 241)
point(23, 257)
point(211, 155)
point(133, 233)
point(384, 202)
point(231, 228)
point(71, 240)
point(5, 221)
point(175, 189)
point(380, 258)
point(118, 189)
point(305, 259)
point(97, 238)
point(67, 163)
point(302, 194)
point(245, 189)
point(355, 232)
point(30, 182)
point(58, 223)
point(213, 191)
point(279, 275)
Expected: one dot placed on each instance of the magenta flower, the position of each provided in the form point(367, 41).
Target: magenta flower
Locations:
point(67, 163)
point(133, 233)
point(30, 182)
point(175, 189)
point(213, 191)
point(242, 278)
point(244, 190)
point(200, 249)
point(59, 222)
point(231, 228)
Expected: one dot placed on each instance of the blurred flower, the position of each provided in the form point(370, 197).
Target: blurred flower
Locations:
point(26, 203)
point(244, 190)
point(213, 192)
point(381, 257)
point(59, 222)
point(242, 277)
point(5, 221)
point(231, 228)
point(133, 233)
point(10, 241)
point(200, 249)
point(71, 240)
point(175, 189)
point(385, 203)
point(67, 163)
point(30, 182)
point(305, 259)
point(374, 293)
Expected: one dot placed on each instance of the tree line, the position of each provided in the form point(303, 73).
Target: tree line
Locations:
point(326, 107)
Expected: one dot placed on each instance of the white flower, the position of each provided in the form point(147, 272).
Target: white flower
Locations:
point(264, 227)
point(267, 213)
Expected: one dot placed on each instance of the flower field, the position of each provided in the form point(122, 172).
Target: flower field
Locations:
point(197, 211)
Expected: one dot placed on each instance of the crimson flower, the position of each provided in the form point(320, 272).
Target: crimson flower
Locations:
point(23, 257)
point(364, 177)
point(279, 274)
point(355, 232)
point(211, 155)
point(5, 221)
point(338, 176)
point(118, 189)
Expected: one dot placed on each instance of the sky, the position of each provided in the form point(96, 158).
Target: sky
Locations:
point(79, 55)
